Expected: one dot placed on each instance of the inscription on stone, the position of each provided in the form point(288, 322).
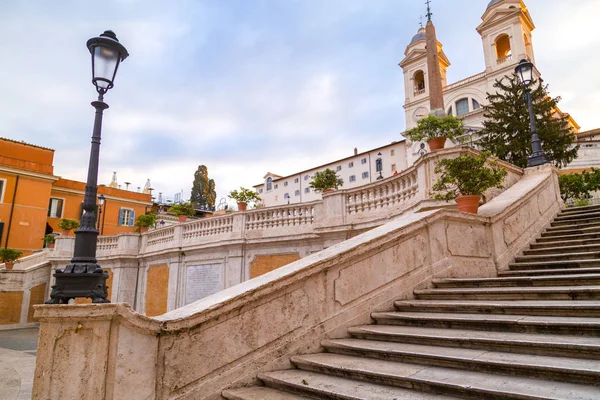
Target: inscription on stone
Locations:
point(203, 280)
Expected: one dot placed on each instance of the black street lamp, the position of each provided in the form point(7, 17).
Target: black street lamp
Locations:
point(379, 166)
point(101, 200)
point(525, 72)
point(83, 277)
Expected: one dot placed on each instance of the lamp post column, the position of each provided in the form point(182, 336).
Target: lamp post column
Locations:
point(538, 157)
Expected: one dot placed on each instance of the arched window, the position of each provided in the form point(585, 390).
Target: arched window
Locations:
point(503, 47)
point(462, 107)
point(450, 111)
point(269, 183)
point(419, 80)
point(476, 104)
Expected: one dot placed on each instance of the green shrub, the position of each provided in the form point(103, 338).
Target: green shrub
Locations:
point(432, 127)
point(323, 180)
point(68, 224)
point(147, 220)
point(579, 186)
point(467, 175)
point(244, 195)
point(49, 239)
point(183, 209)
point(9, 255)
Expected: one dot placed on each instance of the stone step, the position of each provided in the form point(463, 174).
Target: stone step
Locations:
point(259, 393)
point(533, 366)
point(449, 381)
point(577, 216)
point(579, 326)
point(568, 256)
point(320, 386)
point(566, 229)
point(526, 343)
point(564, 243)
point(580, 222)
point(521, 281)
point(581, 235)
point(563, 248)
point(580, 209)
point(588, 292)
point(564, 308)
point(550, 271)
point(554, 264)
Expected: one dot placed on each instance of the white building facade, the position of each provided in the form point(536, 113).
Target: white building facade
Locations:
point(356, 170)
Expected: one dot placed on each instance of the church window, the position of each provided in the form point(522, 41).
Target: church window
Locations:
point(269, 183)
point(419, 80)
point(462, 107)
point(503, 50)
point(476, 105)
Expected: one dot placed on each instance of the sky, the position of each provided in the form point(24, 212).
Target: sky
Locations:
point(247, 87)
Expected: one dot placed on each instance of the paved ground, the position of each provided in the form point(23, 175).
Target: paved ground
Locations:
point(17, 363)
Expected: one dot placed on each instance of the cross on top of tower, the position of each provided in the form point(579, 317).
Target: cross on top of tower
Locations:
point(429, 14)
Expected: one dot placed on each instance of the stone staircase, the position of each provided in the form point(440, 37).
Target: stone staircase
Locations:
point(533, 332)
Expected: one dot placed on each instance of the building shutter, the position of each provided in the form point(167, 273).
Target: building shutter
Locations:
point(121, 217)
point(131, 217)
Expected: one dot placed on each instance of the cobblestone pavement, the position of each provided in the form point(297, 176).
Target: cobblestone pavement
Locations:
point(17, 363)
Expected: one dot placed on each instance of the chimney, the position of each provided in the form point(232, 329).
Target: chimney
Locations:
point(355, 151)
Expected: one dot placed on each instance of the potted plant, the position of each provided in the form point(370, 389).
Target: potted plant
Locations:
point(325, 181)
point(465, 178)
point(9, 256)
point(67, 225)
point(49, 240)
point(243, 197)
point(182, 210)
point(145, 221)
point(435, 130)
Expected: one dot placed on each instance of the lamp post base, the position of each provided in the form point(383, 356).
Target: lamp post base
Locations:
point(79, 284)
point(537, 159)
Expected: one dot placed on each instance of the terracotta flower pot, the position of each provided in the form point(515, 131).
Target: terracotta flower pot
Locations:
point(50, 245)
point(328, 190)
point(65, 232)
point(242, 206)
point(9, 265)
point(182, 218)
point(436, 143)
point(469, 203)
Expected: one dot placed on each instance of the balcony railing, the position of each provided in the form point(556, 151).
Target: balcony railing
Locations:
point(502, 60)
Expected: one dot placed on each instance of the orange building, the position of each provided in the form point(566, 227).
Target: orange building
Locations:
point(33, 199)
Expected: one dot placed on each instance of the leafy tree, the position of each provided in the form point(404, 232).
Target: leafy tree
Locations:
point(203, 189)
point(327, 179)
point(507, 133)
point(579, 186)
point(432, 127)
point(244, 195)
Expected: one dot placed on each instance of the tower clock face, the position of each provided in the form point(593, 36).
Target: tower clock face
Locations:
point(420, 112)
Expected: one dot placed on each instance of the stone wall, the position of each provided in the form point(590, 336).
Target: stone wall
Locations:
point(108, 351)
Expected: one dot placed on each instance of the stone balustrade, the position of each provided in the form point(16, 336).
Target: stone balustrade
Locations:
point(31, 260)
point(278, 217)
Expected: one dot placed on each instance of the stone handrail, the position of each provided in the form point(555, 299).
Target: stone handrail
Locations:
point(396, 190)
point(107, 243)
point(208, 227)
point(282, 216)
point(258, 324)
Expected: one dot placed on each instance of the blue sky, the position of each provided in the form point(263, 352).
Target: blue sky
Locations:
point(250, 86)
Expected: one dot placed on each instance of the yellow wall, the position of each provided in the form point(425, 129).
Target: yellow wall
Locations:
point(263, 264)
point(10, 307)
point(157, 287)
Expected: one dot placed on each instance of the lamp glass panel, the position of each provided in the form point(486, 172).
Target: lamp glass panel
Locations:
point(525, 73)
point(105, 63)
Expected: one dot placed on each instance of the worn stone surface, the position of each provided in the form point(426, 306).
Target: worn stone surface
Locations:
point(10, 307)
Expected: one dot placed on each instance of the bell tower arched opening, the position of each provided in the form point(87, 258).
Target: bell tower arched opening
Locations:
point(419, 81)
point(503, 50)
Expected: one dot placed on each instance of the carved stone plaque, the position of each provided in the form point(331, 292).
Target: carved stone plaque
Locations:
point(202, 281)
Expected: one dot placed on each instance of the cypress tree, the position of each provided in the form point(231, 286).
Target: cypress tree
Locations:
point(203, 189)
